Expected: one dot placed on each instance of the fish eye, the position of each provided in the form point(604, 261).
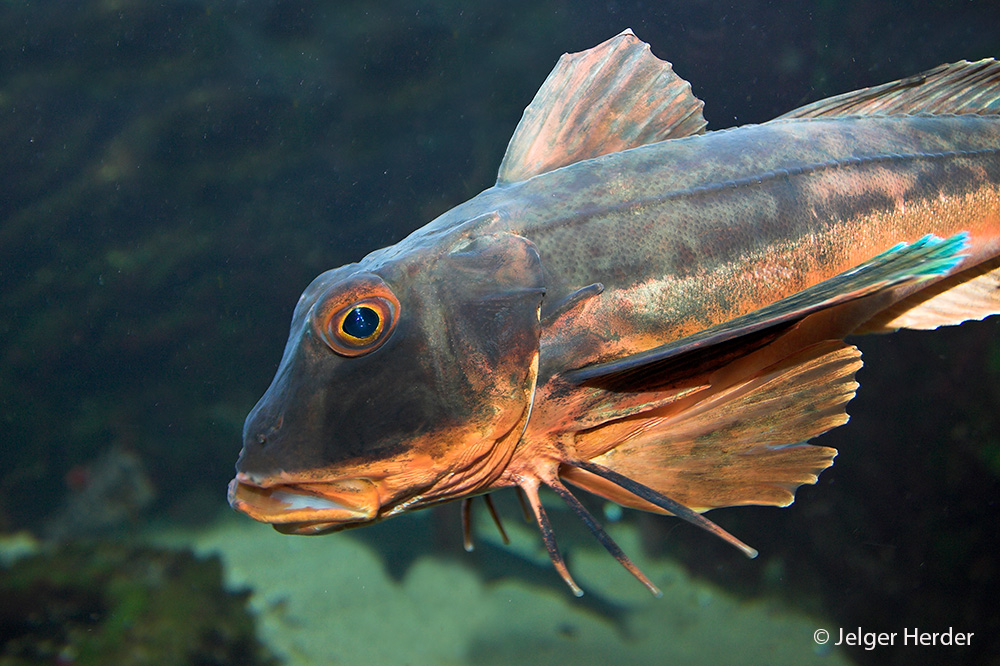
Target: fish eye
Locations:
point(360, 327)
point(356, 316)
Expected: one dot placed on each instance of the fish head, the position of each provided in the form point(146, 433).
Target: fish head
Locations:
point(407, 380)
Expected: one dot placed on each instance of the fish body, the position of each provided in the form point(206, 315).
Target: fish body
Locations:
point(647, 311)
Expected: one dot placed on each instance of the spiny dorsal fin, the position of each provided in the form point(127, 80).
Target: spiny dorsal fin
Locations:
point(612, 97)
point(961, 87)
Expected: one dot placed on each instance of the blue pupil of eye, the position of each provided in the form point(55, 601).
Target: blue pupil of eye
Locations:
point(361, 322)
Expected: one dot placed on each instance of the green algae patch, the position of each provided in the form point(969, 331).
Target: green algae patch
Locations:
point(100, 603)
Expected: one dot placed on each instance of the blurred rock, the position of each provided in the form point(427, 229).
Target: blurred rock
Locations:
point(97, 604)
point(111, 492)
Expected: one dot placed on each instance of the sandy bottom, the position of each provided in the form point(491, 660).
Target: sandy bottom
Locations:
point(329, 600)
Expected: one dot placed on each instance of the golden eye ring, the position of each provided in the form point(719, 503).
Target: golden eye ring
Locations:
point(361, 327)
point(356, 316)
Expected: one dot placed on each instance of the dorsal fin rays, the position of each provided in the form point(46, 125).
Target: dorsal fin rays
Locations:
point(961, 87)
point(615, 96)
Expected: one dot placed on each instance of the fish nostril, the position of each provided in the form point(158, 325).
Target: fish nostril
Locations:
point(267, 435)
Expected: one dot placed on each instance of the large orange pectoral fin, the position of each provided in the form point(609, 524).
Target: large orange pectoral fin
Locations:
point(739, 445)
point(929, 257)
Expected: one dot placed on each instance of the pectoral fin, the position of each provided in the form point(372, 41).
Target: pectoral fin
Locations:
point(743, 444)
point(927, 258)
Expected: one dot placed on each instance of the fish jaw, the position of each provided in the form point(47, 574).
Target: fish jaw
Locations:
point(306, 508)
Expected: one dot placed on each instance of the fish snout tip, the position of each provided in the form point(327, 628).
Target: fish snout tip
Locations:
point(246, 477)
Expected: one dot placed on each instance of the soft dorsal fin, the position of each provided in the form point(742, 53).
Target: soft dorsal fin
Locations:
point(961, 87)
point(612, 97)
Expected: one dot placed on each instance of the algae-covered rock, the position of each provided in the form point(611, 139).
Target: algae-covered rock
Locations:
point(114, 604)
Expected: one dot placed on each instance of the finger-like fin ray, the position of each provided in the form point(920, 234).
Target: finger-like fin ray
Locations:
point(602, 536)
point(467, 522)
point(665, 503)
point(548, 537)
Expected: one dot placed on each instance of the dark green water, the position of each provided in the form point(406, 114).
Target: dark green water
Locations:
point(173, 174)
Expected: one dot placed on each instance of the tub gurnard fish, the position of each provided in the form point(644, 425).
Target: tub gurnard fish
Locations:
point(639, 308)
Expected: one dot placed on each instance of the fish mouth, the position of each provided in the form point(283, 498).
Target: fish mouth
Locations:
point(307, 508)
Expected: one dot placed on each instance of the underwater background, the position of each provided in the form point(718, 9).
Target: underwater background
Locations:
point(173, 174)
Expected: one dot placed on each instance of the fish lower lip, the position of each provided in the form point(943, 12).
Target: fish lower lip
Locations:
point(310, 529)
point(315, 507)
